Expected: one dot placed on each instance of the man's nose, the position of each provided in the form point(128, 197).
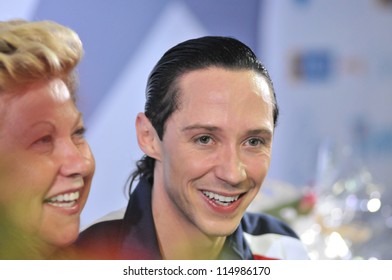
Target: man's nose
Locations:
point(230, 167)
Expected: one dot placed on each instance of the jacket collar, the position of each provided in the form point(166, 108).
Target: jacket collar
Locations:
point(138, 233)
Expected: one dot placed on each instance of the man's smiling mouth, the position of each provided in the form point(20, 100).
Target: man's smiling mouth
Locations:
point(221, 199)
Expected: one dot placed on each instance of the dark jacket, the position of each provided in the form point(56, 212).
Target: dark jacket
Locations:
point(258, 236)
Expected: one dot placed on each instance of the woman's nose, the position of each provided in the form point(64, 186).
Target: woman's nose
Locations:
point(76, 159)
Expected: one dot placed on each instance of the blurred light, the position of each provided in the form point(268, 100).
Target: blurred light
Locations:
point(375, 194)
point(337, 214)
point(288, 213)
point(336, 247)
point(314, 255)
point(338, 188)
point(316, 228)
point(352, 201)
point(366, 176)
point(351, 186)
point(374, 205)
point(309, 236)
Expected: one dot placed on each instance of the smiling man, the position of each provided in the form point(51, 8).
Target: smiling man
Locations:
point(207, 134)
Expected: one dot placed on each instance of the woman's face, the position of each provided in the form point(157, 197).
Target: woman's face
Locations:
point(46, 166)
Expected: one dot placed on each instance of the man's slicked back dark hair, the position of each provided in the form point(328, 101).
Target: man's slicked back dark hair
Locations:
point(162, 93)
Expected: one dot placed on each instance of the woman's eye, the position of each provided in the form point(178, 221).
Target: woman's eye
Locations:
point(78, 135)
point(80, 132)
point(205, 139)
point(44, 140)
point(44, 144)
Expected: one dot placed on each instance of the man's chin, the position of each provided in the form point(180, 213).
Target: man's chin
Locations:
point(220, 231)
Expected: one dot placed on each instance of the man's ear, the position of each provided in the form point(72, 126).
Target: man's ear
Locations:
point(147, 137)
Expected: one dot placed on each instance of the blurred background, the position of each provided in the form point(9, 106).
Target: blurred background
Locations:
point(331, 63)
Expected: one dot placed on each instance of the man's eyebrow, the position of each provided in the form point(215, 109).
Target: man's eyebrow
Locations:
point(201, 126)
point(212, 128)
point(260, 131)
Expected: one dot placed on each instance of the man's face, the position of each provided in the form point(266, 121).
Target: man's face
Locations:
point(46, 166)
point(216, 149)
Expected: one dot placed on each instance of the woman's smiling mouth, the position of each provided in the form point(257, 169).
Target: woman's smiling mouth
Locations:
point(65, 200)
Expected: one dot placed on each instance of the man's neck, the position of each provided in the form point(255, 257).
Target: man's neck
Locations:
point(178, 245)
point(178, 238)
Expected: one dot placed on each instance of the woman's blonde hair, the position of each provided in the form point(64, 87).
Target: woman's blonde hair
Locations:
point(32, 52)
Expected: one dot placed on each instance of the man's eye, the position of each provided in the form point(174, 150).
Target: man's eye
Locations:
point(205, 139)
point(254, 142)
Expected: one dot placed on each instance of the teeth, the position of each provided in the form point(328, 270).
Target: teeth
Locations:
point(63, 205)
point(63, 200)
point(220, 199)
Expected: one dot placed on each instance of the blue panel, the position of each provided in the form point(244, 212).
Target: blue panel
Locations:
point(234, 18)
point(110, 31)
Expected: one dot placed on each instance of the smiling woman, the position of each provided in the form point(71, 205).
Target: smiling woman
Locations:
point(46, 165)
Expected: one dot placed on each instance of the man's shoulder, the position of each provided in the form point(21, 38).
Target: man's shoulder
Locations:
point(271, 238)
point(100, 231)
point(259, 223)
